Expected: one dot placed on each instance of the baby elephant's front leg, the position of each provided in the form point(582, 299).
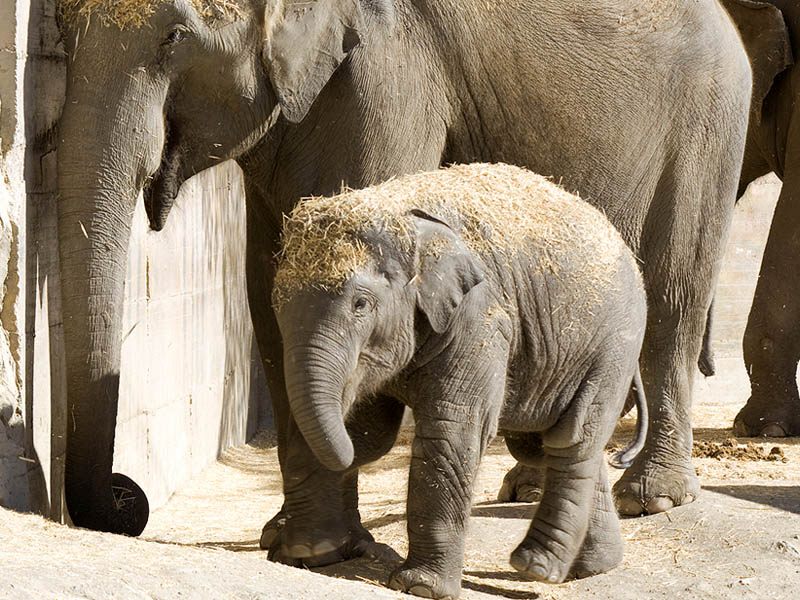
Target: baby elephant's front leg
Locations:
point(445, 458)
point(560, 524)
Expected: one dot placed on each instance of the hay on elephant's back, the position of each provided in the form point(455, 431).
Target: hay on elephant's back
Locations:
point(496, 208)
point(134, 13)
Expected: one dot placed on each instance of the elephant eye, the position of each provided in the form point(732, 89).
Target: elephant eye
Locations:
point(360, 303)
point(175, 36)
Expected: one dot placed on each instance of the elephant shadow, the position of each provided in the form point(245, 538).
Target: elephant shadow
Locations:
point(782, 497)
point(377, 572)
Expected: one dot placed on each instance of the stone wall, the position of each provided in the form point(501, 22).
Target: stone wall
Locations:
point(190, 379)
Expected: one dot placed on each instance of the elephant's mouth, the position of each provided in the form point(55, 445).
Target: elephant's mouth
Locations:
point(162, 189)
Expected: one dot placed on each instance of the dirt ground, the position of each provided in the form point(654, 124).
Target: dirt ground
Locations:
point(740, 539)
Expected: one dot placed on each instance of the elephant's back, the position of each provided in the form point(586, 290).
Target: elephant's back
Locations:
point(600, 94)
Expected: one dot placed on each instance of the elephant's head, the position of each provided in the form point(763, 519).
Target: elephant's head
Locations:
point(158, 90)
point(354, 301)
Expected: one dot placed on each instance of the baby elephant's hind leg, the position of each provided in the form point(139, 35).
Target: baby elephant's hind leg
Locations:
point(602, 546)
point(524, 482)
point(560, 524)
point(575, 492)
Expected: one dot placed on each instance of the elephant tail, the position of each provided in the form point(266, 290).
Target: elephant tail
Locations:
point(624, 458)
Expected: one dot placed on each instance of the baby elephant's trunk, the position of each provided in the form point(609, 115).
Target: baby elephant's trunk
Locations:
point(624, 458)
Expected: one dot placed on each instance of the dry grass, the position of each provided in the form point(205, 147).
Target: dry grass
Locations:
point(134, 13)
point(499, 209)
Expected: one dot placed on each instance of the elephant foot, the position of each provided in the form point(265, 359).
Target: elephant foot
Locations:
point(426, 583)
point(774, 418)
point(602, 548)
point(653, 486)
point(316, 544)
point(272, 530)
point(536, 563)
point(522, 484)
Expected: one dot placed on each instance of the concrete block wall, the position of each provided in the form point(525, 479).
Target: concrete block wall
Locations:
point(735, 287)
point(191, 380)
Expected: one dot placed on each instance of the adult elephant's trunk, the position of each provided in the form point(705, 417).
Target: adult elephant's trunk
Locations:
point(102, 160)
point(315, 383)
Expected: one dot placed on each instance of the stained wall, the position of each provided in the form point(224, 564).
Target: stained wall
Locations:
point(191, 380)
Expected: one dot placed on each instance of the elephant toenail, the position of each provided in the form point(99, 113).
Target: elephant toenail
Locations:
point(773, 430)
point(518, 562)
point(267, 537)
point(422, 591)
point(659, 504)
point(299, 551)
point(629, 506)
point(323, 547)
point(396, 584)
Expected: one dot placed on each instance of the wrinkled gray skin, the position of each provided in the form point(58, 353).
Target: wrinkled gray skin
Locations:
point(771, 35)
point(473, 342)
point(639, 106)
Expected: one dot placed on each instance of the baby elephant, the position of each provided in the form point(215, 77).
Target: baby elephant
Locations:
point(484, 298)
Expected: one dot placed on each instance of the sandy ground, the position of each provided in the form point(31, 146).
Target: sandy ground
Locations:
point(741, 539)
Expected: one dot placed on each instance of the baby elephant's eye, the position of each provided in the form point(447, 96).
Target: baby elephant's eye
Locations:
point(175, 36)
point(360, 303)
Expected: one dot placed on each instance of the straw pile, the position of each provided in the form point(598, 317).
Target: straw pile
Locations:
point(134, 13)
point(494, 208)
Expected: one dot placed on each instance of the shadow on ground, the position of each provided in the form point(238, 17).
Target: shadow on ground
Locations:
point(372, 571)
point(782, 497)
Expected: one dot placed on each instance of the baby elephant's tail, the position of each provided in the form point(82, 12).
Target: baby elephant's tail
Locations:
point(624, 458)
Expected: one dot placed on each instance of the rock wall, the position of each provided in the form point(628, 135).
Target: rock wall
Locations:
point(17, 484)
point(191, 380)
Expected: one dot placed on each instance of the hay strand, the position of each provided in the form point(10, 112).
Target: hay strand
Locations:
point(134, 13)
point(497, 209)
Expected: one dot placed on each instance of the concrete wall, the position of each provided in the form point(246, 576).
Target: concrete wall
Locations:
point(17, 487)
point(737, 282)
point(190, 378)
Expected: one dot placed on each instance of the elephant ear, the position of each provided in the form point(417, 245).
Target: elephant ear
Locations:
point(446, 270)
point(766, 40)
point(305, 43)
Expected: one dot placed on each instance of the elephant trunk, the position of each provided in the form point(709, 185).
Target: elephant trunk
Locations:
point(97, 195)
point(315, 383)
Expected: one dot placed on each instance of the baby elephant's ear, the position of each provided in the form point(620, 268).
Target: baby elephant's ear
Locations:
point(446, 270)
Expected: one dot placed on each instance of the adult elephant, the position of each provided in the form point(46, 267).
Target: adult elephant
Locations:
point(639, 106)
point(771, 35)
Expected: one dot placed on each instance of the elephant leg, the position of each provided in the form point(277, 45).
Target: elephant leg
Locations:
point(525, 481)
point(318, 523)
point(444, 460)
point(573, 450)
point(681, 250)
point(662, 475)
point(602, 546)
point(559, 526)
point(772, 337)
point(322, 523)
